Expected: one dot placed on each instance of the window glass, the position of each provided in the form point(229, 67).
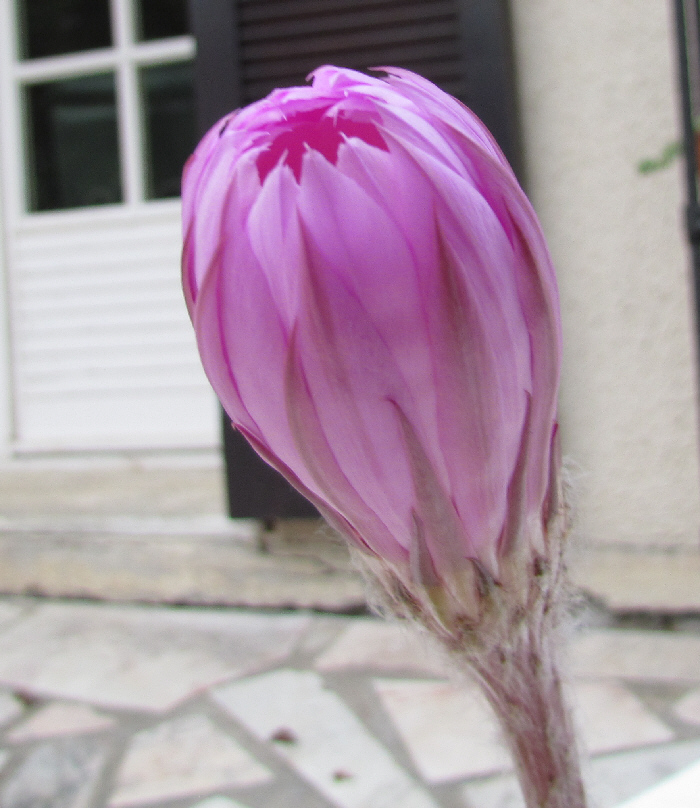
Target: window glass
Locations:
point(162, 18)
point(168, 99)
point(73, 143)
point(51, 27)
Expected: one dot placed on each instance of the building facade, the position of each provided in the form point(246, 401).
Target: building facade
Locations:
point(96, 354)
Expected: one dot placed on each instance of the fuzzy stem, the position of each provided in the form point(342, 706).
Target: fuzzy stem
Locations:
point(524, 689)
point(506, 633)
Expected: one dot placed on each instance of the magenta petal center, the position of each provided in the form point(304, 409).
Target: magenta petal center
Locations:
point(313, 129)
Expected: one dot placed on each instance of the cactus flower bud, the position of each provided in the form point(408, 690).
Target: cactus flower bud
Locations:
point(377, 311)
point(376, 308)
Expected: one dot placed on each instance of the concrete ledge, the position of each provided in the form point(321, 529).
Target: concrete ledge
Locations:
point(298, 566)
point(140, 529)
point(137, 532)
point(639, 580)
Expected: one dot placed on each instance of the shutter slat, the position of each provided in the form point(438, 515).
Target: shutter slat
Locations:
point(249, 11)
point(282, 42)
point(426, 60)
point(408, 36)
point(353, 22)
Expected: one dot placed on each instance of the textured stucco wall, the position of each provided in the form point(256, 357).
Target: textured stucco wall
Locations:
point(598, 93)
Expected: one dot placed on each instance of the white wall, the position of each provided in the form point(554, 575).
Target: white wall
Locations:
point(598, 94)
point(5, 376)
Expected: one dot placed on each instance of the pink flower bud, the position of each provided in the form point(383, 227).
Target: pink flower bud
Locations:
point(376, 308)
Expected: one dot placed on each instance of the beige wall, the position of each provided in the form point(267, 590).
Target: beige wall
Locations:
point(598, 94)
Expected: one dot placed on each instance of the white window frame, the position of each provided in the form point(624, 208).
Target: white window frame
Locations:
point(150, 228)
point(124, 59)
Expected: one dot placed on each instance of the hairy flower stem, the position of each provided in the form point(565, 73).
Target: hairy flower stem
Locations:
point(505, 633)
point(524, 688)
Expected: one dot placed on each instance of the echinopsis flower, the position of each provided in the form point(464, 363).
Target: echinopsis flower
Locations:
point(376, 309)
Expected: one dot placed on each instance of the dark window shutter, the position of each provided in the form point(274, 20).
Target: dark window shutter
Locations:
point(282, 41)
point(246, 48)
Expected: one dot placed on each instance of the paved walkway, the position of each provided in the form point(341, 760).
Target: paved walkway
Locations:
point(106, 705)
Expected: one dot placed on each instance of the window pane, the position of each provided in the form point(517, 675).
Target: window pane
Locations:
point(162, 18)
point(50, 27)
point(168, 99)
point(73, 143)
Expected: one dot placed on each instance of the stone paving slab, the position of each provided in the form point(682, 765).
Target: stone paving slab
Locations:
point(609, 718)
point(391, 647)
point(688, 708)
point(183, 757)
point(436, 722)
point(647, 655)
point(679, 791)
point(59, 719)
point(318, 735)
point(155, 707)
point(60, 774)
point(134, 658)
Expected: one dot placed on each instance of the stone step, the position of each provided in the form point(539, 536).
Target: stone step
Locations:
point(153, 529)
point(211, 560)
point(639, 579)
point(199, 561)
